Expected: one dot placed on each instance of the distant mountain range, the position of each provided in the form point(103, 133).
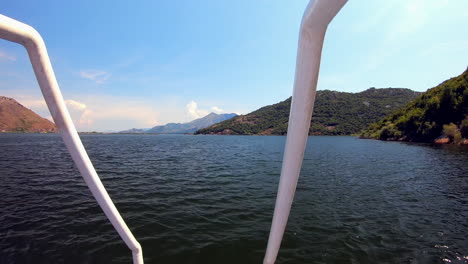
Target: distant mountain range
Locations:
point(440, 112)
point(14, 117)
point(335, 113)
point(135, 130)
point(183, 128)
point(379, 113)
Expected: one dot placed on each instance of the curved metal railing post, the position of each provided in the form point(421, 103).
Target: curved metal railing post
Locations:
point(27, 36)
point(317, 16)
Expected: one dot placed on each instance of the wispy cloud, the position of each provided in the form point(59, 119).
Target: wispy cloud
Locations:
point(97, 76)
point(7, 56)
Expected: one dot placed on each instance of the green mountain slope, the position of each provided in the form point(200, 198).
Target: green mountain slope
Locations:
point(423, 119)
point(335, 113)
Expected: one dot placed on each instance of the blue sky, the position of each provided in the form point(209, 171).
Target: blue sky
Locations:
point(123, 64)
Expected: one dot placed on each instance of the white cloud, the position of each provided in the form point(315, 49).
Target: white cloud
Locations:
point(104, 113)
point(101, 113)
point(193, 111)
point(75, 104)
point(6, 56)
point(80, 114)
point(97, 76)
point(217, 110)
point(115, 113)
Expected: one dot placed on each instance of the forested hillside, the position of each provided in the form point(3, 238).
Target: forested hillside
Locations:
point(335, 113)
point(441, 111)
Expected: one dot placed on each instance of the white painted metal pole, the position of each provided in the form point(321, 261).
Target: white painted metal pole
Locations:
point(317, 16)
point(27, 36)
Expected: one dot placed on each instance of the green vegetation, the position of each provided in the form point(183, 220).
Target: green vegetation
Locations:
point(451, 131)
point(335, 113)
point(464, 128)
point(442, 110)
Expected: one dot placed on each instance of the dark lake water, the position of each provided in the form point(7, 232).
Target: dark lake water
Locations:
point(210, 199)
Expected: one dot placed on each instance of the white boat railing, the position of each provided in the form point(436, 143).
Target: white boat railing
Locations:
point(27, 36)
point(317, 16)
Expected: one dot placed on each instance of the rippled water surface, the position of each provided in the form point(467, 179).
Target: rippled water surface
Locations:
point(209, 199)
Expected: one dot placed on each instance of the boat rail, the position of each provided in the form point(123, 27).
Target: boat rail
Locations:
point(27, 36)
point(317, 16)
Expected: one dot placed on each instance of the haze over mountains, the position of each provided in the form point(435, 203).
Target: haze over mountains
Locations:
point(184, 128)
point(335, 113)
point(386, 113)
point(14, 117)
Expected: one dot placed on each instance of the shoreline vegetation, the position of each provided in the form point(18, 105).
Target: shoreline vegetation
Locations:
point(439, 116)
point(335, 113)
